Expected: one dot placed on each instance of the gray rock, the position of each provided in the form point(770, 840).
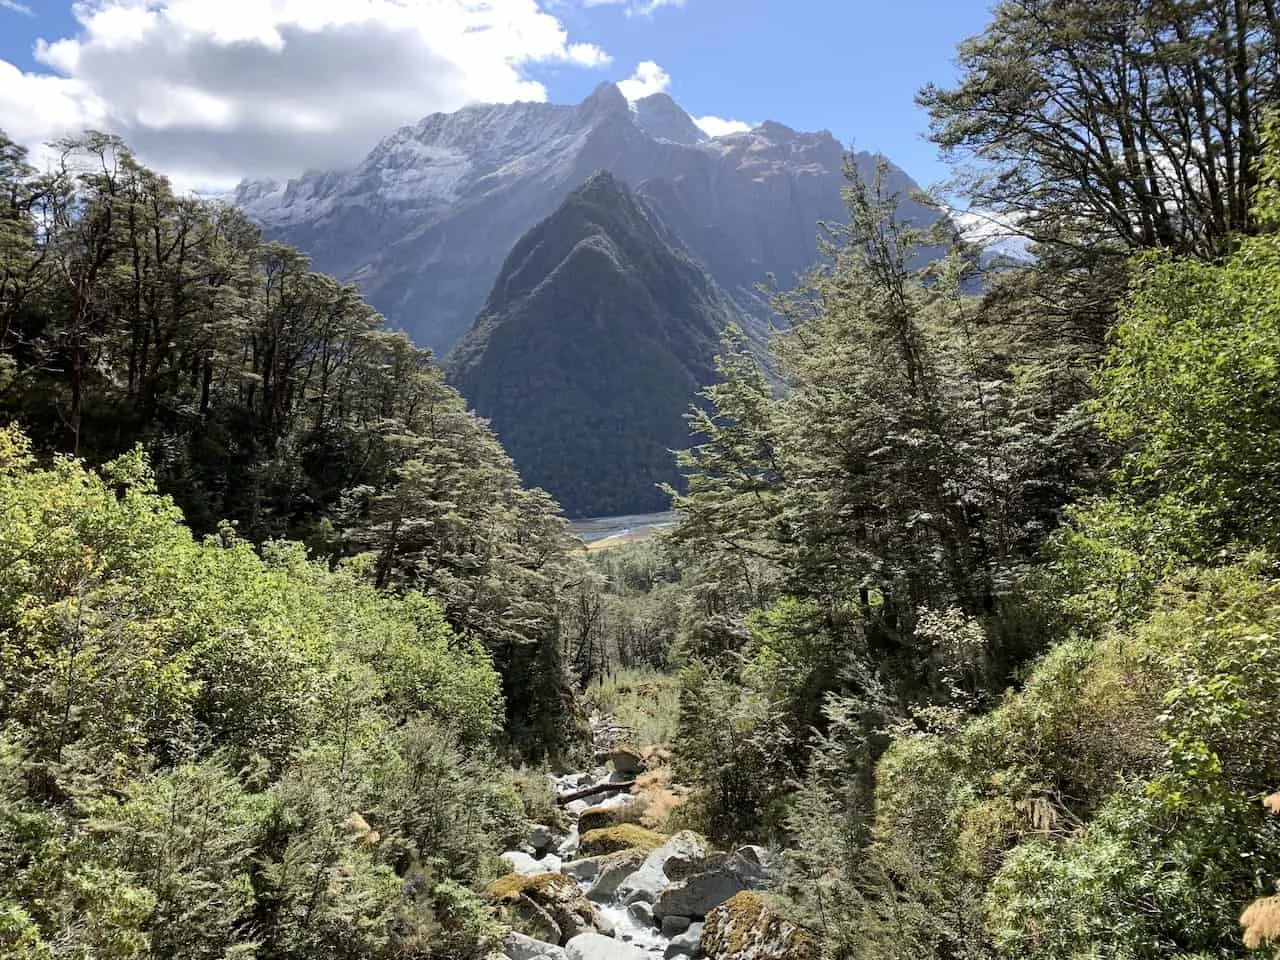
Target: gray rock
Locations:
point(753, 854)
point(626, 762)
point(688, 944)
point(641, 913)
point(540, 837)
point(575, 807)
point(569, 845)
point(698, 895)
point(674, 926)
point(582, 870)
point(593, 946)
point(551, 863)
point(649, 881)
point(533, 920)
point(517, 946)
point(614, 868)
point(522, 863)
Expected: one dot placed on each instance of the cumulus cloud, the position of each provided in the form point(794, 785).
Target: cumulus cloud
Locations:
point(719, 127)
point(648, 79)
point(212, 90)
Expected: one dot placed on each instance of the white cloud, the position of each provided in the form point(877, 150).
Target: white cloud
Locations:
point(17, 7)
point(719, 127)
point(648, 79)
point(635, 8)
point(212, 90)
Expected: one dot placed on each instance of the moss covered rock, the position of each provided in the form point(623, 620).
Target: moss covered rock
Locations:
point(624, 836)
point(546, 906)
point(596, 818)
point(750, 927)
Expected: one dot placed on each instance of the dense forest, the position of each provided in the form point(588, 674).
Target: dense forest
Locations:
point(971, 614)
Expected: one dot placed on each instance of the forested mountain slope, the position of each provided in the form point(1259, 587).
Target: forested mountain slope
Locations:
point(598, 334)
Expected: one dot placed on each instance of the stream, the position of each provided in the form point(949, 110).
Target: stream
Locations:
point(635, 903)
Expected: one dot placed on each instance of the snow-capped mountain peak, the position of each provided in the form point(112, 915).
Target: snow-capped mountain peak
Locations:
point(425, 220)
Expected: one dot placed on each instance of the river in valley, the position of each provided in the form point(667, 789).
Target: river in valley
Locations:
point(598, 530)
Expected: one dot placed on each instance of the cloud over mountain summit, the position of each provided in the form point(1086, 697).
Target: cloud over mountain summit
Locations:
point(213, 90)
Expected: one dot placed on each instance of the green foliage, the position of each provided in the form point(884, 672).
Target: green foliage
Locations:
point(211, 753)
point(646, 702)
point(621, 610)
point(1169, 863)
point(1190, 390)
point(737, 747)
point(1109, 808)
point(271, 398)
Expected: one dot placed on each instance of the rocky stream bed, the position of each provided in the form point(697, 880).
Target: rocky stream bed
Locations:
point(607, 888)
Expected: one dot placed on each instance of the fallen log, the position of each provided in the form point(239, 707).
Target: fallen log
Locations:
point(606, 787)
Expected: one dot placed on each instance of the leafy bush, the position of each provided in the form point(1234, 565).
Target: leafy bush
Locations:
point(208, 753)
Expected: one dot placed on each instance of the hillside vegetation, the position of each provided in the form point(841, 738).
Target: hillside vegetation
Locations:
point(970, 620)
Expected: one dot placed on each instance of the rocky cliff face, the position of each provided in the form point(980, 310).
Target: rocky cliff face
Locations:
point(425, 222)
point(599, 331)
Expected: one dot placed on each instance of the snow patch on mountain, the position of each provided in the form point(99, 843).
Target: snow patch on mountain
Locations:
point(998, 236)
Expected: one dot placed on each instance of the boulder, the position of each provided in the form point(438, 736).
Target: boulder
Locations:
point(526, 902)
point(540, 837)
point(532, 919)
point(626, 760)
point(674, 926)
point(516, 946)
point(613, 870)
point(698, 895)
point(687, 944)
point(584, 869)
point(572, 781)
point(684, 848)
point(519, 862)
point(641, 913)
point(753, 854)
point(575, 807)
point(625, 836)
point(687, 853)
point(750, 927)
point(607, 813)
point(592, 946)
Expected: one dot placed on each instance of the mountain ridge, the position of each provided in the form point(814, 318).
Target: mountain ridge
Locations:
point(424, 222)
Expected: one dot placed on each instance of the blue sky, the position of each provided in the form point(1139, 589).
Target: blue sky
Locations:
point(211, 90)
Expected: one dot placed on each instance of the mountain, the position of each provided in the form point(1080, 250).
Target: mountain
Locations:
point(598, 332)
point(423, 224)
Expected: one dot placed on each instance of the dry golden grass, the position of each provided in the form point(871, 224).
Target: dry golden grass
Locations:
point(658, 797)
point(1261, 922)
